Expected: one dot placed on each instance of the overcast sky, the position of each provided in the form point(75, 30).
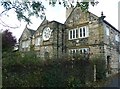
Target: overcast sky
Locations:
point(109, 8)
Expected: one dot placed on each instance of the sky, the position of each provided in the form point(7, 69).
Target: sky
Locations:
point(57, 13)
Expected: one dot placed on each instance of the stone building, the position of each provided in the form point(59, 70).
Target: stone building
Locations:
point(25, 40)
point(48, 40)
point(82, 32)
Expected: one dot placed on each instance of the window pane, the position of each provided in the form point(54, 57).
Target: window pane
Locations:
point(39, 41)
point(84, 50)
point(23, 44)
point(87, 32)
point(36, 41)
point(76, 33)
point(117, 38)
point(83, 31)
point(77, 52)
point(73, 52)
point(73, 33)
point(80, 32)
point(81, 51)
point(107, 31)
point(26, 43)
point(70, 34)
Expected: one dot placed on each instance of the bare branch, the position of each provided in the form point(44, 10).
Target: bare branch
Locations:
point(6, 25)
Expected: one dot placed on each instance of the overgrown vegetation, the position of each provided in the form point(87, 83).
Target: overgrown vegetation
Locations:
point(29, 71)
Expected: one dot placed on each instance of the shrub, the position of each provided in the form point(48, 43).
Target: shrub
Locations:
point(30, 71)
point(99, 61)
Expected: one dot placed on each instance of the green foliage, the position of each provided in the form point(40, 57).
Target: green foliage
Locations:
point(29, 71)
point(21, 71)
point(74, 82)
point(99, 61)
point(26, 8)
point(29, 57)
point(83, 5)
point(9, 59)
point(8, 41)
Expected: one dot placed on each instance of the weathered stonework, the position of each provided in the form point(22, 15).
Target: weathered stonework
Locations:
point(81, 32)
point(53, 46)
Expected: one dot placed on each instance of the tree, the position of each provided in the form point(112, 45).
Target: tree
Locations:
point(8, 41)
point(27, 8)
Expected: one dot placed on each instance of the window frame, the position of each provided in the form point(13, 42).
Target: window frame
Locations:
point(23, 44)
point(76, 33)
point(37, 41)
point(80, 50)
point(117, 38)
point(107, 30)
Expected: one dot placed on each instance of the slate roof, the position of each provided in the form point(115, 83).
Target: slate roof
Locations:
point(110, 25)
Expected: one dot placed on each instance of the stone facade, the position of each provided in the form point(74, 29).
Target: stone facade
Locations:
point(82, 32)
point(26, 39)
point(53, 47)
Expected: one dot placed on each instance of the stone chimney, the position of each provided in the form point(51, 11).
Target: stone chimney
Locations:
point(68, 11)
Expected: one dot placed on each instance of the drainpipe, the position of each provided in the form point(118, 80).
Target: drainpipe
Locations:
point(94, 73)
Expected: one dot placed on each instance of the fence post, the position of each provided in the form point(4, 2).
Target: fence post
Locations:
point(94, 73)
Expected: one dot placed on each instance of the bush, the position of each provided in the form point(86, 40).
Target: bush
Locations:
point(20, 71)
point(30, 71)
point(99, 61)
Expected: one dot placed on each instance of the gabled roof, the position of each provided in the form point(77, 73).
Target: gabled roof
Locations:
point(56, 22)
point(95, 16)
point(110, 25)
point(73, 11)
point(69, 15)
point(48, 22)
point(31, 31)
point(45, 21)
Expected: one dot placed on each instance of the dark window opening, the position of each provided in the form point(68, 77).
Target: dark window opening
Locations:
point(83, 32)
point(76, 33)
point(70, 34)
point(73, 33)
point(80, 32)
point(108, 65)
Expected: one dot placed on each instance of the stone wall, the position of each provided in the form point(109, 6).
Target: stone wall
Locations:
point(111, 47)
point(98, 41)
point(54, 46)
